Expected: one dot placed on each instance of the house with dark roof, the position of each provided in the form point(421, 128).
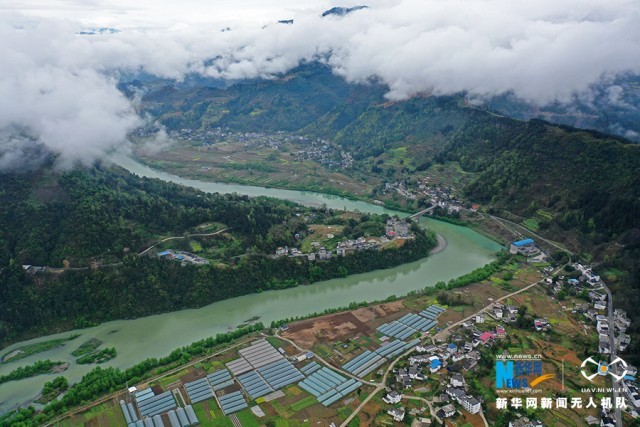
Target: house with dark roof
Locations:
point(446, 411)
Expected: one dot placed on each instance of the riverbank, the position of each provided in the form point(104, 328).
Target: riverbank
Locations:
point(279, 185)
point(441, 246)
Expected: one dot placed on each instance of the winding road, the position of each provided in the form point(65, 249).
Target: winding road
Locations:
point(440, 335)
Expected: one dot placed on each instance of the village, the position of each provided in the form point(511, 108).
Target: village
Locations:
point(395, 230)
point(301, 148)
point(437, 195)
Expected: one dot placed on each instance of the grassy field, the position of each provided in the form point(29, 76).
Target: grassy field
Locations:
point(231, 162)
point(103, 415)
point(87, 347)
point(164, 382)
point(210, 415)
point(247, 419)
point(304, 403)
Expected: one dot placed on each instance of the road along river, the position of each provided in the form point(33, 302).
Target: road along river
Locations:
point(156, 336)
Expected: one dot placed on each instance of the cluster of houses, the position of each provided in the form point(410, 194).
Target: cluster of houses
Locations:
point(439, 196)
point(596, 311)
point(435, 194)
point(505, 313)
point(456, 392)
point(319, 252)
point(459, 354)
point(397, 229)
point(509, 314)
point(400, 188)
point(394, 229)
point(251, 140)
point(359, 244)
point(452, 358)
point(326, 153)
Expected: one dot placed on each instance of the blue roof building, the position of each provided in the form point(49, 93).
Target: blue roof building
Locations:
point(525, 246)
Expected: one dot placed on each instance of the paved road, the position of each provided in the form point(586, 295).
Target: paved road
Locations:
point(379, 387)
point(442, 334)
point(612, 343)
point(526, 230)
point(422, 212)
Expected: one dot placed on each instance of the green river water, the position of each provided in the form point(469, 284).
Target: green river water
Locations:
point(156, 336)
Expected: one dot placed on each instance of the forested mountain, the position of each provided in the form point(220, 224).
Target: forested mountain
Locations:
point(108, 215)
point(102, 213)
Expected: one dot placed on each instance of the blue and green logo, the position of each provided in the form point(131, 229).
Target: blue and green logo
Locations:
point(515, 374)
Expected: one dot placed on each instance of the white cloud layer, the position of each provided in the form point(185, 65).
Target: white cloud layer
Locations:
point(61, 86)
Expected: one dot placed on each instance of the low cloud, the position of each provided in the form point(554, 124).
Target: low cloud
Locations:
point(61, 86)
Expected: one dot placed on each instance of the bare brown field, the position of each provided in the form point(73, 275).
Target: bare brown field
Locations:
point(328, 328)
point(343, 326)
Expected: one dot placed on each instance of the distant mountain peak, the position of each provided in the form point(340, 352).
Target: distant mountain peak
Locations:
point(96, 31)
point(341, 11)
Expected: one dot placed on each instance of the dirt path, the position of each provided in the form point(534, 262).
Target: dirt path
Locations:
point(182, 237)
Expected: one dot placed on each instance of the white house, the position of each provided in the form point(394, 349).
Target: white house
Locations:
point(446, 411)
point(633, 394)
point(392, 398)
point(457, 380)
point(471, 404)
point(397, 414)
point(512, 309)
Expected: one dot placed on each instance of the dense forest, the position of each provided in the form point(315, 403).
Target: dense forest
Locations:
point(38, 368)
point(102, 213)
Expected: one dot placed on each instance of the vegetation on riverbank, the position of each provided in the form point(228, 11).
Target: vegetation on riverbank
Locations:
point(38, 368)
point(52, 389)
point(100, 382)
point(29, 349)
point(86, 347)
point(101, 356)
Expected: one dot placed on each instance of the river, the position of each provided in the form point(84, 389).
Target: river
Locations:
point(156, 336)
